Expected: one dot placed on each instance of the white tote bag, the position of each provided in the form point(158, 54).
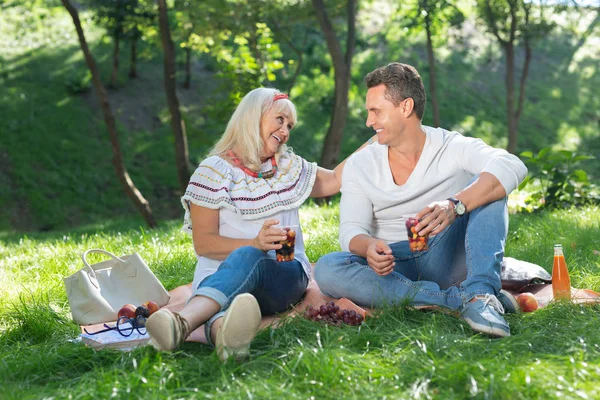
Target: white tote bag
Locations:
point(98, 291)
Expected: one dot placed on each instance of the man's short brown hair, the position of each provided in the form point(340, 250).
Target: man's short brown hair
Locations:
point(401, 81)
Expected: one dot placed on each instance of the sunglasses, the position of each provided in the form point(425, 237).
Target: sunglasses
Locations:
point(125, 326)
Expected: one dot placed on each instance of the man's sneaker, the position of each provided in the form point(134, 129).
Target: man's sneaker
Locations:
point(240, 325)
point(509, 302)
point(485, 315)
point(167, 330)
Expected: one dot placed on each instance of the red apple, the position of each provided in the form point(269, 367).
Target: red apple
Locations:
point(151, 306)
point(128, 310)
point(527, 302)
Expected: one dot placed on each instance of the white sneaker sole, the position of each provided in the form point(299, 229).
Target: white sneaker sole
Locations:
point(486, 329)
point(240, 325)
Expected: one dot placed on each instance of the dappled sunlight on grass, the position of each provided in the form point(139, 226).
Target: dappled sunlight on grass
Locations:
point(532, 237)
point(398, 352)
point(39, 264)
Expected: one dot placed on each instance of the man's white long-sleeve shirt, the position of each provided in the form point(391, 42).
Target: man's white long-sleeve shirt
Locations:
point(373, 204)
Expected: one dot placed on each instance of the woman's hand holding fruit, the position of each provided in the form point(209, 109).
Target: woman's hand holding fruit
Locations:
point(268, 237)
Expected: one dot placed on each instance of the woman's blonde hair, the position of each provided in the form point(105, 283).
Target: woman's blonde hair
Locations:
point(243, 129)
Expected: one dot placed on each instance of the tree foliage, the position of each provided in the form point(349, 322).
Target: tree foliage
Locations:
point(438, 15)
point(236, 45)
point(515, 21)
point(233, 33)
point(123, 20)
point(556, 180)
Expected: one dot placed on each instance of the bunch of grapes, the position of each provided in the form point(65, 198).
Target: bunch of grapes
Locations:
point(332, 314)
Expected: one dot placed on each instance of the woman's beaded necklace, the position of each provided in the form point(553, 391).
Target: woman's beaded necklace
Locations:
point(265, 175)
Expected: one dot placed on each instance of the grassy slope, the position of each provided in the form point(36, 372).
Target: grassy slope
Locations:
point(553, 353)
point(55, 152)
point(55, 155)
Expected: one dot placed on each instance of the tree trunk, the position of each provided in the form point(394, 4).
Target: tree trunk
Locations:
point(115, 70)
point(133, 61)
point(342, 65)
point(188, 68)
point(177, 123)
point(525, 70)
point(510, 97)
point(128, 186)
point(432, 78)
point(524, 74)
point(333, 140)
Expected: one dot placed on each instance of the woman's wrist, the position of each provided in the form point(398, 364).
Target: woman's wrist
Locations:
point(256, 243)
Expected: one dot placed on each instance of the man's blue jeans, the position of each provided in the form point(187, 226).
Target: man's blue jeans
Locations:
point(463, 261)
point(276, 285)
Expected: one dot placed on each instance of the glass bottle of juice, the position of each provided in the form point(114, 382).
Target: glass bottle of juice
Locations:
point(561, 283)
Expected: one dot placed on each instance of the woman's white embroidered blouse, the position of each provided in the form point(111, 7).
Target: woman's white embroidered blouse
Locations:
point(244, 202)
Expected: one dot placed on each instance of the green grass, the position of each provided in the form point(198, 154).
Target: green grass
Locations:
point(554, 353)
point(55, 163)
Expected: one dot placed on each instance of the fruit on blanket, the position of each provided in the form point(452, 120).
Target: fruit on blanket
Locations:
point(333, 314)
point(415, 242)
point(143, 311)
point(151, 306)
point(527, 302)
point(128, 310)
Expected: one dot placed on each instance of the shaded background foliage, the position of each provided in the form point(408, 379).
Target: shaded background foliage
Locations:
point(55, 157)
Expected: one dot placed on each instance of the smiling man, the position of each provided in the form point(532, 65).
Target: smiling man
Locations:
point(455, 186)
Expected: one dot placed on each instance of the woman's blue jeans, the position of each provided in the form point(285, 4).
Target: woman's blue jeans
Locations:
point(275, 285)
point(463, 261)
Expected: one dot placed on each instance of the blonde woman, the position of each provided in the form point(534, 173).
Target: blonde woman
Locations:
point(236, 203)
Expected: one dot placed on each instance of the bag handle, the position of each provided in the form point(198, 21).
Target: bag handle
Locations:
point(89, 269)
point(108, 253)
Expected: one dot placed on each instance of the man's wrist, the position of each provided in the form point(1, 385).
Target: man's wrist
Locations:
point(360, 244)
point(459, 208)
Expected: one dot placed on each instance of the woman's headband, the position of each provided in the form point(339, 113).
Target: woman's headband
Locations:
point(280, 96)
